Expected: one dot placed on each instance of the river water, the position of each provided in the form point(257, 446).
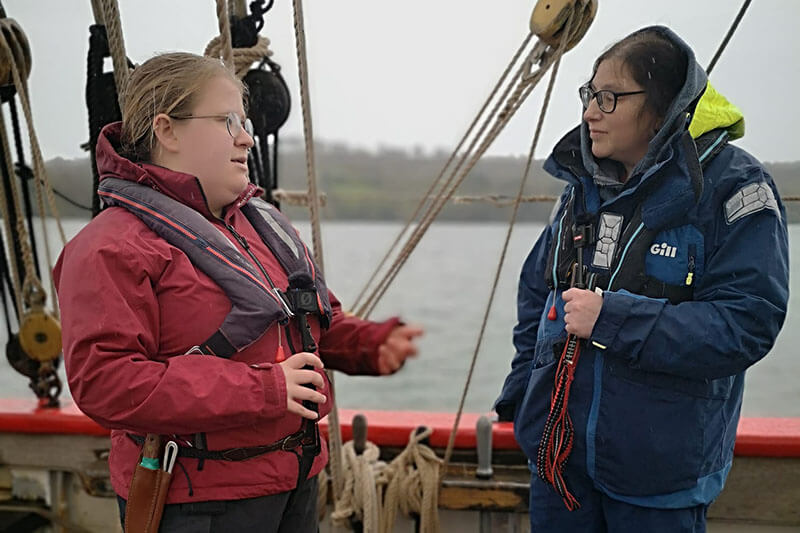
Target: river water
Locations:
point(444, 287)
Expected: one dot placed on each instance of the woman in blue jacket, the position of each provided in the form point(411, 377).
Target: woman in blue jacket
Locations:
point(666, 259)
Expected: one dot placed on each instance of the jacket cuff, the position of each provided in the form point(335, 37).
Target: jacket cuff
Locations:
point(616, 306)
point(274, 385)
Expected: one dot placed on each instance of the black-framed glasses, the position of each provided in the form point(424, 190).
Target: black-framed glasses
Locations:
point(232, 121)
point(606, 99)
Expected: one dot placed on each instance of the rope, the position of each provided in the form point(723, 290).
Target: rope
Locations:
point(298, 198)
point(436, 181)
point(523, 181)
point(500, 200)
point(360, 499)
point(33, 292)
point(728, 36)
point(412, 480)
point(116, 45)
point(526, 83)
point(225, 46)
point(243, 58)
point(4, 194)
point(334, 428)
point(322, 493)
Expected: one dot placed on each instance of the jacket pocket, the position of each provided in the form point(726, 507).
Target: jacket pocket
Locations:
point(649, 440)
point(532, 412)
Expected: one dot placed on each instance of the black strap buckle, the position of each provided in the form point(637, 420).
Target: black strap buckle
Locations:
point(292, 442)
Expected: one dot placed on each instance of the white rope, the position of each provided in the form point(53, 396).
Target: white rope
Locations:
point(334, 429)
point(116, 45)
point(32, 290)
point(360, 497)
point(412, 485)
point(243, 58)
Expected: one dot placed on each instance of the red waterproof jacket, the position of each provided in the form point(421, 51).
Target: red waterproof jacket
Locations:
point(132, 304)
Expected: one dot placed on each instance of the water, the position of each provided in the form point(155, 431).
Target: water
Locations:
point(445, 287)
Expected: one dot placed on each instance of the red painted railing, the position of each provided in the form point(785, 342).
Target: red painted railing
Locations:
point(764, 437)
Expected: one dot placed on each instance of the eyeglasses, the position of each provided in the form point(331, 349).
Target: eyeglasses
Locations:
point(232, 121)
point(606, 100)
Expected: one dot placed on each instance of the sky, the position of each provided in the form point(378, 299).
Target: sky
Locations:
point(411, 75)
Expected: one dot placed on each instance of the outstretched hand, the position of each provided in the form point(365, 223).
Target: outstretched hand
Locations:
point(397, 347)
point(296, 377)
point(581, 310)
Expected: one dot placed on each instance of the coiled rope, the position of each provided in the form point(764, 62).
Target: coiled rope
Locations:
point(412, 485)
point(360, 499)
point(221, 46)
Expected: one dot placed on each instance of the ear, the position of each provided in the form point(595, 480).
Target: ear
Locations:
point(164, 130)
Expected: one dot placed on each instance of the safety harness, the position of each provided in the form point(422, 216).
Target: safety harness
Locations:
point(620, 250)
point(255, 304)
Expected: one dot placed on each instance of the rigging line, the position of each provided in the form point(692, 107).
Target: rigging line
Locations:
point(334, 428)
point(116, 45)
point(71, 201)
point(425, 197)
point(16, 288)
point(501, 120)
point(523, 181)
point(225, 33)
point(40, 176)
point(31, 284)
point(728, 36)
point(426, 219)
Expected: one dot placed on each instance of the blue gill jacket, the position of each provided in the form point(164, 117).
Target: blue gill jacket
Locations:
point(658, 388)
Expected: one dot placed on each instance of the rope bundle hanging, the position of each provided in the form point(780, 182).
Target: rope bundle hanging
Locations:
point(360, 499)
point(40, 333)
point(243, 58)
point(412, 485)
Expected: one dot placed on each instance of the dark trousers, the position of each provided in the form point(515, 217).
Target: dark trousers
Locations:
point(600, 514)
point(288, 512)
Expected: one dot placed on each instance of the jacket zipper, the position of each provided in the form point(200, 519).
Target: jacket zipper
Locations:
point(243, 242)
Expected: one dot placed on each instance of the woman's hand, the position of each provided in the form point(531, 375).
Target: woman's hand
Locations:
point(581, 309)
point(296, 377)
point(397, 347)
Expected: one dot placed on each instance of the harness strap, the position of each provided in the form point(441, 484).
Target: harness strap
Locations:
point(287, 444)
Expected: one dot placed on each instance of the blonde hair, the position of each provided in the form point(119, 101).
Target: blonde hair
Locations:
point(167, 83)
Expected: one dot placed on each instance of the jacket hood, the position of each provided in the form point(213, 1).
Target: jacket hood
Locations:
point(714, 111)
point(182, 187)
point(677, 116)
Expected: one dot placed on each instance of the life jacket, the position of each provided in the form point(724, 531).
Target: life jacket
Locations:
point(621, 246)
point(255, 305)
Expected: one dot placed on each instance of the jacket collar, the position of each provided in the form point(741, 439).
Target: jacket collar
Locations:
point(181, 187)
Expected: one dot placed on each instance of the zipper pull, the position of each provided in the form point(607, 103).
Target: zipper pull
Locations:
point(238, 237)
point(280, 353)
point(690, 266)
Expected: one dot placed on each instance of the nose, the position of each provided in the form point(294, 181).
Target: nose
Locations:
point(593, 111)
point(245, 139)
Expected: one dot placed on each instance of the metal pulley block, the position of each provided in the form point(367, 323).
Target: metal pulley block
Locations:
point(549, 19)
point(40, 335)
point(39, 331)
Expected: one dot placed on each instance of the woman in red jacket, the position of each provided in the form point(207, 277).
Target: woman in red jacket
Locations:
point(186, 261)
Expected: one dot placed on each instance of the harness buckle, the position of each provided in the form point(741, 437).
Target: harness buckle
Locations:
point(292, 442)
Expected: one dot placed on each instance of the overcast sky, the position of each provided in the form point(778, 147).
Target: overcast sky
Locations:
point(412, 74)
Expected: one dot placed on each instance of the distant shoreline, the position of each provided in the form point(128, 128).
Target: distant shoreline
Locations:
point(387, 185)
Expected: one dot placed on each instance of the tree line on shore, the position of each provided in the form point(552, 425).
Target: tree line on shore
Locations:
point(387, 184)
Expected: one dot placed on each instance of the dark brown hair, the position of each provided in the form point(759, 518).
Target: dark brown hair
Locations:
point(654, 62)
